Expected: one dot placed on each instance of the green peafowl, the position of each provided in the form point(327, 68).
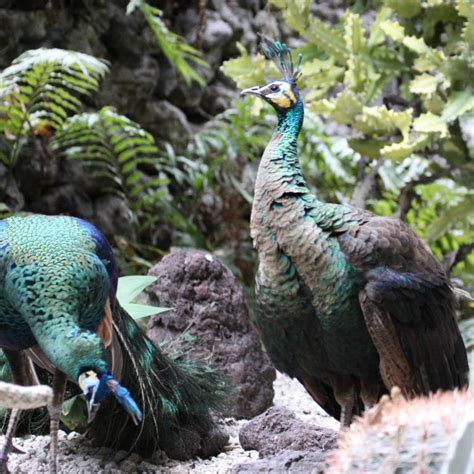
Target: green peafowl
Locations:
point(349, 303)
point(58, 307)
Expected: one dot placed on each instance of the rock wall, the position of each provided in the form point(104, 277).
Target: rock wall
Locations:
point(142, 84)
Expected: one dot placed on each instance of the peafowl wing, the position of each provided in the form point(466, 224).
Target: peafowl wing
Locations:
point(408, 306)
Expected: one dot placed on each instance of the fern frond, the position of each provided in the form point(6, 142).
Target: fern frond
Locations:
point(114, 147)
point(42, 88)
point(179, 53)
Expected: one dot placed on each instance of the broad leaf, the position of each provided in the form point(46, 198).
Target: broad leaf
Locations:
point(129, 287)
point(139, 311)
point(458, 104)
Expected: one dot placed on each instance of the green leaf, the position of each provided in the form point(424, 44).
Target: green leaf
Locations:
point(129, 287)
point(74, 413)
point(344, 109)
point(458, 104)
point(139, 311)
point(326, 38)
point(430, 123)
point(42, 88)
point(183, 56)
point(425, 84)
point(114, 147)
point(393, 30)
point(297, 14)
point(401, 150)
point(451, 217)
point(380, 120)
point(405, 8)
point(370, 148)
point(354, 34)
point(246, 71)
point(377, 35)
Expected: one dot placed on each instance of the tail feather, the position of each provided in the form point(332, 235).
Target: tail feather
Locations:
point(175, 395)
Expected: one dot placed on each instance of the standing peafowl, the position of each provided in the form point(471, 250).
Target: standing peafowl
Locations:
point(58, 306)
point(349, 303)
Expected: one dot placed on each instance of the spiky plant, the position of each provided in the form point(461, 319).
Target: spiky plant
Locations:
point(429, 435)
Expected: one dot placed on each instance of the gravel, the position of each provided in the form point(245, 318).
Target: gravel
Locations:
point(77, 455)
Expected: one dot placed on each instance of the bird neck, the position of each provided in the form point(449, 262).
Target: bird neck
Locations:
point(290, 123)
point(73, 350)
point(280, 171)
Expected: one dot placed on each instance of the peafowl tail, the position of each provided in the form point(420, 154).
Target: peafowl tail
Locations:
point(175, 395)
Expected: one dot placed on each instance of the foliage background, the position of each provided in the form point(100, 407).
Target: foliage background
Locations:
point(154, 146)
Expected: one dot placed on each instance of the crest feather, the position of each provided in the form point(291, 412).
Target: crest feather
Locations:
point(280, 53)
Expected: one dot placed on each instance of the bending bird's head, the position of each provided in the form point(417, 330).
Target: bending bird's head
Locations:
point(97, 388)
point(283, 95)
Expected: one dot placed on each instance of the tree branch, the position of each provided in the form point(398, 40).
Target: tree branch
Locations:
point(366, 184)
point(453, 258)
point(408, 194)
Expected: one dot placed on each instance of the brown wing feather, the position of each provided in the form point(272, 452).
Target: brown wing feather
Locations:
point(395, 368)
point(408, 305)
point(321, 394)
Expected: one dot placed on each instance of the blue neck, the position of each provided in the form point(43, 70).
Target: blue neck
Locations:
point(290, 123)
point(280, 171)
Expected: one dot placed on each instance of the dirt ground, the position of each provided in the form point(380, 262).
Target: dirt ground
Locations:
point(78, 456)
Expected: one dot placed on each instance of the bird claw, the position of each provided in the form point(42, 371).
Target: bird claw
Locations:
point(3, 464)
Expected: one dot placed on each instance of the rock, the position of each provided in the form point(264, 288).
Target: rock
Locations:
point(128, 466)
point(288, 461)
point(113, 217)
point(217, 32)
point(119, 456)
point(110, 466)
point(278, 429)
point(167, 122)
point(209, 306)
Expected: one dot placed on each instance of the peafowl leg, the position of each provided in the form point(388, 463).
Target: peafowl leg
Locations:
point(59, 387)
point(346, 413)
point(7, 444)
point(23, 373)
point(345, 394)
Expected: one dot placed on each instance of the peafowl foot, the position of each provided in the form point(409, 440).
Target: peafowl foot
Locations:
point(4, 464)
point(8, 443)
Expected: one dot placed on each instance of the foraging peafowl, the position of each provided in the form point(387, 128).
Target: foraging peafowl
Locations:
point(349, 303)
point(58, 281)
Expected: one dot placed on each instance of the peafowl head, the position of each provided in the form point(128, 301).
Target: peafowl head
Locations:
point(97, 388)
point(283, 94)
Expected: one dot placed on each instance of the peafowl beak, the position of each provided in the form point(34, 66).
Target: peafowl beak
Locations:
point(252, 91)
point(89, 383)
point(97, 389)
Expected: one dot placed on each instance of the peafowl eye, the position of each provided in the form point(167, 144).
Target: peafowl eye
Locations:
point(280, 94)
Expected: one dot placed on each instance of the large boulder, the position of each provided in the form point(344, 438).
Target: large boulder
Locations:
point(209, 307)
point(278, 429)
point(285, 443)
